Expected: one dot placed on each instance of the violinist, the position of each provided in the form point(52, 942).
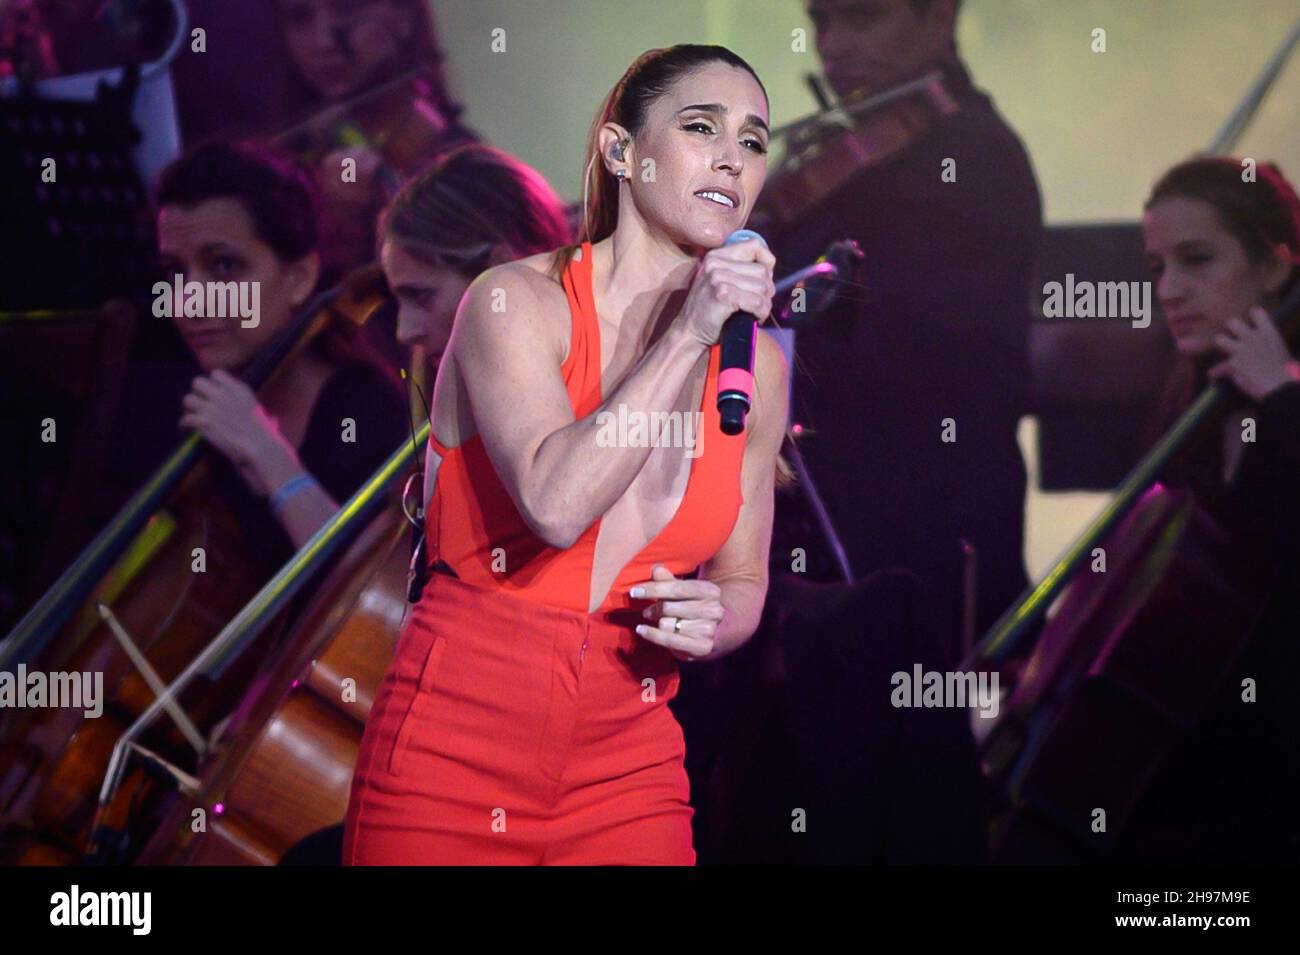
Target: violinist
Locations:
point(368, 75)
point(908, 391)
point(331, 414)
point(339, 48)
point(937, 335)
point(1224, 247)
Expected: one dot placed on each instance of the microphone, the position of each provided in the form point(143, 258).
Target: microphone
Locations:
point(736, 369)
point(822, 283)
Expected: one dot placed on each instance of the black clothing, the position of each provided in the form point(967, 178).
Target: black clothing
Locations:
point(939, 332)
point(148, 432)
point(355, 390)
point(797, 754)
point(1229, 789)
point(374, 401)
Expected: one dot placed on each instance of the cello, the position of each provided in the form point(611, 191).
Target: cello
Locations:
point(283, 764)
point(827, 149)
point(135, 608)
point(1132, 656)
point(283, 769)
point(1134, 651)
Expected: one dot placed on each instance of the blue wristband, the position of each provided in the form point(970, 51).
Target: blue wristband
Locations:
point(288, 490)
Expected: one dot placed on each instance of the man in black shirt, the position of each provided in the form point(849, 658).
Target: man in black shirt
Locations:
point(913, 387)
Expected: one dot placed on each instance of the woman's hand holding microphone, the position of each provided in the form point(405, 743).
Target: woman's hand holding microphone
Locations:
point(729, 279)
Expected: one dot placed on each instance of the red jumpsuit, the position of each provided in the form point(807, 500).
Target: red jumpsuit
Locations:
point(513, 726)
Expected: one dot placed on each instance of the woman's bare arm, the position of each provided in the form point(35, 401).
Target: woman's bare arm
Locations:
point(555, 472)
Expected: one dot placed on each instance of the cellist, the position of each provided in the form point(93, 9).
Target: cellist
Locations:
point(473, 208)
point(237, 237)
point(327, 420)
point(1224, 246)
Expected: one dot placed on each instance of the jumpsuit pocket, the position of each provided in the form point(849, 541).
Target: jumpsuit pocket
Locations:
point(654, 668)
point(418, 705)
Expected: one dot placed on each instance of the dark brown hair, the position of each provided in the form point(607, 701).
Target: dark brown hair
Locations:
point(472, 200)
point(1263, 215)
point(628, 104)
point(421, 52)
point(284, 205)
point(279, 196)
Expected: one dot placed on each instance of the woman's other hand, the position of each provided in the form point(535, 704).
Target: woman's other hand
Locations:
point(684, 616)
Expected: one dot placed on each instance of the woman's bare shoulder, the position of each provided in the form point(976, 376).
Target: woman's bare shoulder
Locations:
point(531, 280)
point(525, 290)
point(542, 263)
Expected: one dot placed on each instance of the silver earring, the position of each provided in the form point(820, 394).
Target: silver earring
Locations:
point(622, 174)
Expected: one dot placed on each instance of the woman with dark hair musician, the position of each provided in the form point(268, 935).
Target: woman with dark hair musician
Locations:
point(1224, 248)
point(244, 214)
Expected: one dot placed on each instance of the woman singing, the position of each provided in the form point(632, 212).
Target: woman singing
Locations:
point(1224, 247)
point(524, 718)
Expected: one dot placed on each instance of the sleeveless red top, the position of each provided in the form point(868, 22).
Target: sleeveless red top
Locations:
point(473, 526)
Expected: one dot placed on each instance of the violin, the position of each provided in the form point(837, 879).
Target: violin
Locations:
point(829, 148)
point(399, 120)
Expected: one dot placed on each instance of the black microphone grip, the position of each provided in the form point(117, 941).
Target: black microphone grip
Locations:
point(735, 376)
point(736, 362)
